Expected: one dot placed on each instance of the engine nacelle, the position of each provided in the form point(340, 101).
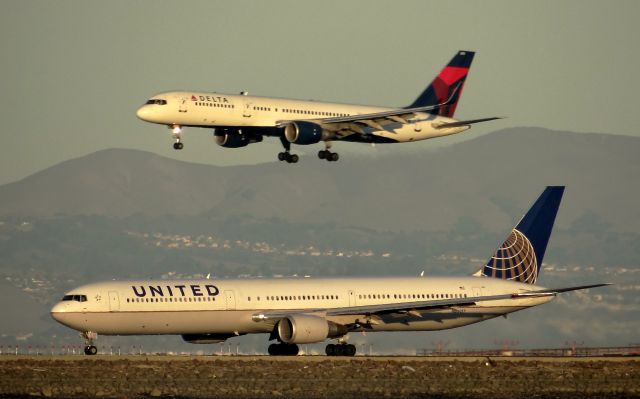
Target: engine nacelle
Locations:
point(206, 338)
point(301, 132)
point(235, 139)
point(305, 329)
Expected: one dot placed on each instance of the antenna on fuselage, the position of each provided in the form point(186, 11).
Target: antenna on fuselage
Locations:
point(208, 275)
point(244, 93)
point(422, 273)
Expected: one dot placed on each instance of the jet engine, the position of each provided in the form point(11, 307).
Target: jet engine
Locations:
point(235, 139)
point(206, 338)
point(305, 329)
point(301, 132)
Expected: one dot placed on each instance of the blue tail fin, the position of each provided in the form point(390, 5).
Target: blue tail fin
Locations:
point(520, 256)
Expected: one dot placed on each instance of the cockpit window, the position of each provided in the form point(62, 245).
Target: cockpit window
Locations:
point(77, 298)
point(157, 101)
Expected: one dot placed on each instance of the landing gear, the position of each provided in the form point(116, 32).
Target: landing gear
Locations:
point(176, 131)
point(89, 337)
point(283, 350)
point(328, 155)
point(286, 155)
point(340, 350)
point(90, 350)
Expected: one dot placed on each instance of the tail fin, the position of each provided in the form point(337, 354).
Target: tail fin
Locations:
point(520, 256)
point(451, 78)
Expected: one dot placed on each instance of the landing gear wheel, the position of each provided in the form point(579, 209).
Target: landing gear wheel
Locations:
point(90, 350)
point(290, 158)
point(330, 350)
point(328, 155)
point(178, 146)
point(340, 350)
point(283, 350)
point(350, 350)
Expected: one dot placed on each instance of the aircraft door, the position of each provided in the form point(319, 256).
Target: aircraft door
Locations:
point(231, 300)
point(114, 301)
point(184, 102)
point(352, 299)
point(476, 291)
point(247, 112)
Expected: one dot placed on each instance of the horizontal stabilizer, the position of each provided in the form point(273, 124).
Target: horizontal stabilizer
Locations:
point(465, 123)
point(567, 289)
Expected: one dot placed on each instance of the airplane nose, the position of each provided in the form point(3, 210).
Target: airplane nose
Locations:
point(58, 310)
point(143, 113)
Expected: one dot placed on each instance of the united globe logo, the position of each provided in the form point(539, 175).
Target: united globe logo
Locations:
point(514, 260)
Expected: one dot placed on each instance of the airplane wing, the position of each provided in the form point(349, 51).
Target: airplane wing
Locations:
point(344, 126)
point(413, 307)
point(408, 307)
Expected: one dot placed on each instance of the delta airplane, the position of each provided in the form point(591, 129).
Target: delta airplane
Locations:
point(240, 120)
point(308, 310)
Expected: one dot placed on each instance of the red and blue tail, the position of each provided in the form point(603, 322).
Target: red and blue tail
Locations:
point(520, 256)
point(450, 79)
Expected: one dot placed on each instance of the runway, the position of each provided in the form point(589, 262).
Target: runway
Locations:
point(316, 377)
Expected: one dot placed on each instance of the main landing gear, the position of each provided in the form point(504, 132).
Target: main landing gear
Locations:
point(176, 131)
point(328, 155)
point(286, 155)
point(340, 350)
point(89, 348)
point(283, 349)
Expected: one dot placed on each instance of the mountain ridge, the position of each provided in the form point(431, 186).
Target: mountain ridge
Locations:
point(489, 180)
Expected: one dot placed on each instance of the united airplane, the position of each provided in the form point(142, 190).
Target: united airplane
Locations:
point(240, 120)
point(308, 310)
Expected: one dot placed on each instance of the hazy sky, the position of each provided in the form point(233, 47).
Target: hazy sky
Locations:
point(74, 72)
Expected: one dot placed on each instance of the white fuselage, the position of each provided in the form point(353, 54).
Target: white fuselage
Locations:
point(225, 110)
point(229, 306)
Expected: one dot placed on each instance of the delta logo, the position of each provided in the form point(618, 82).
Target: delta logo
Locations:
point(211, 99)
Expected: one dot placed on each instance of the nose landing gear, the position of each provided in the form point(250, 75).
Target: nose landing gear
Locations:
point(176, 132)
point(89, 348)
